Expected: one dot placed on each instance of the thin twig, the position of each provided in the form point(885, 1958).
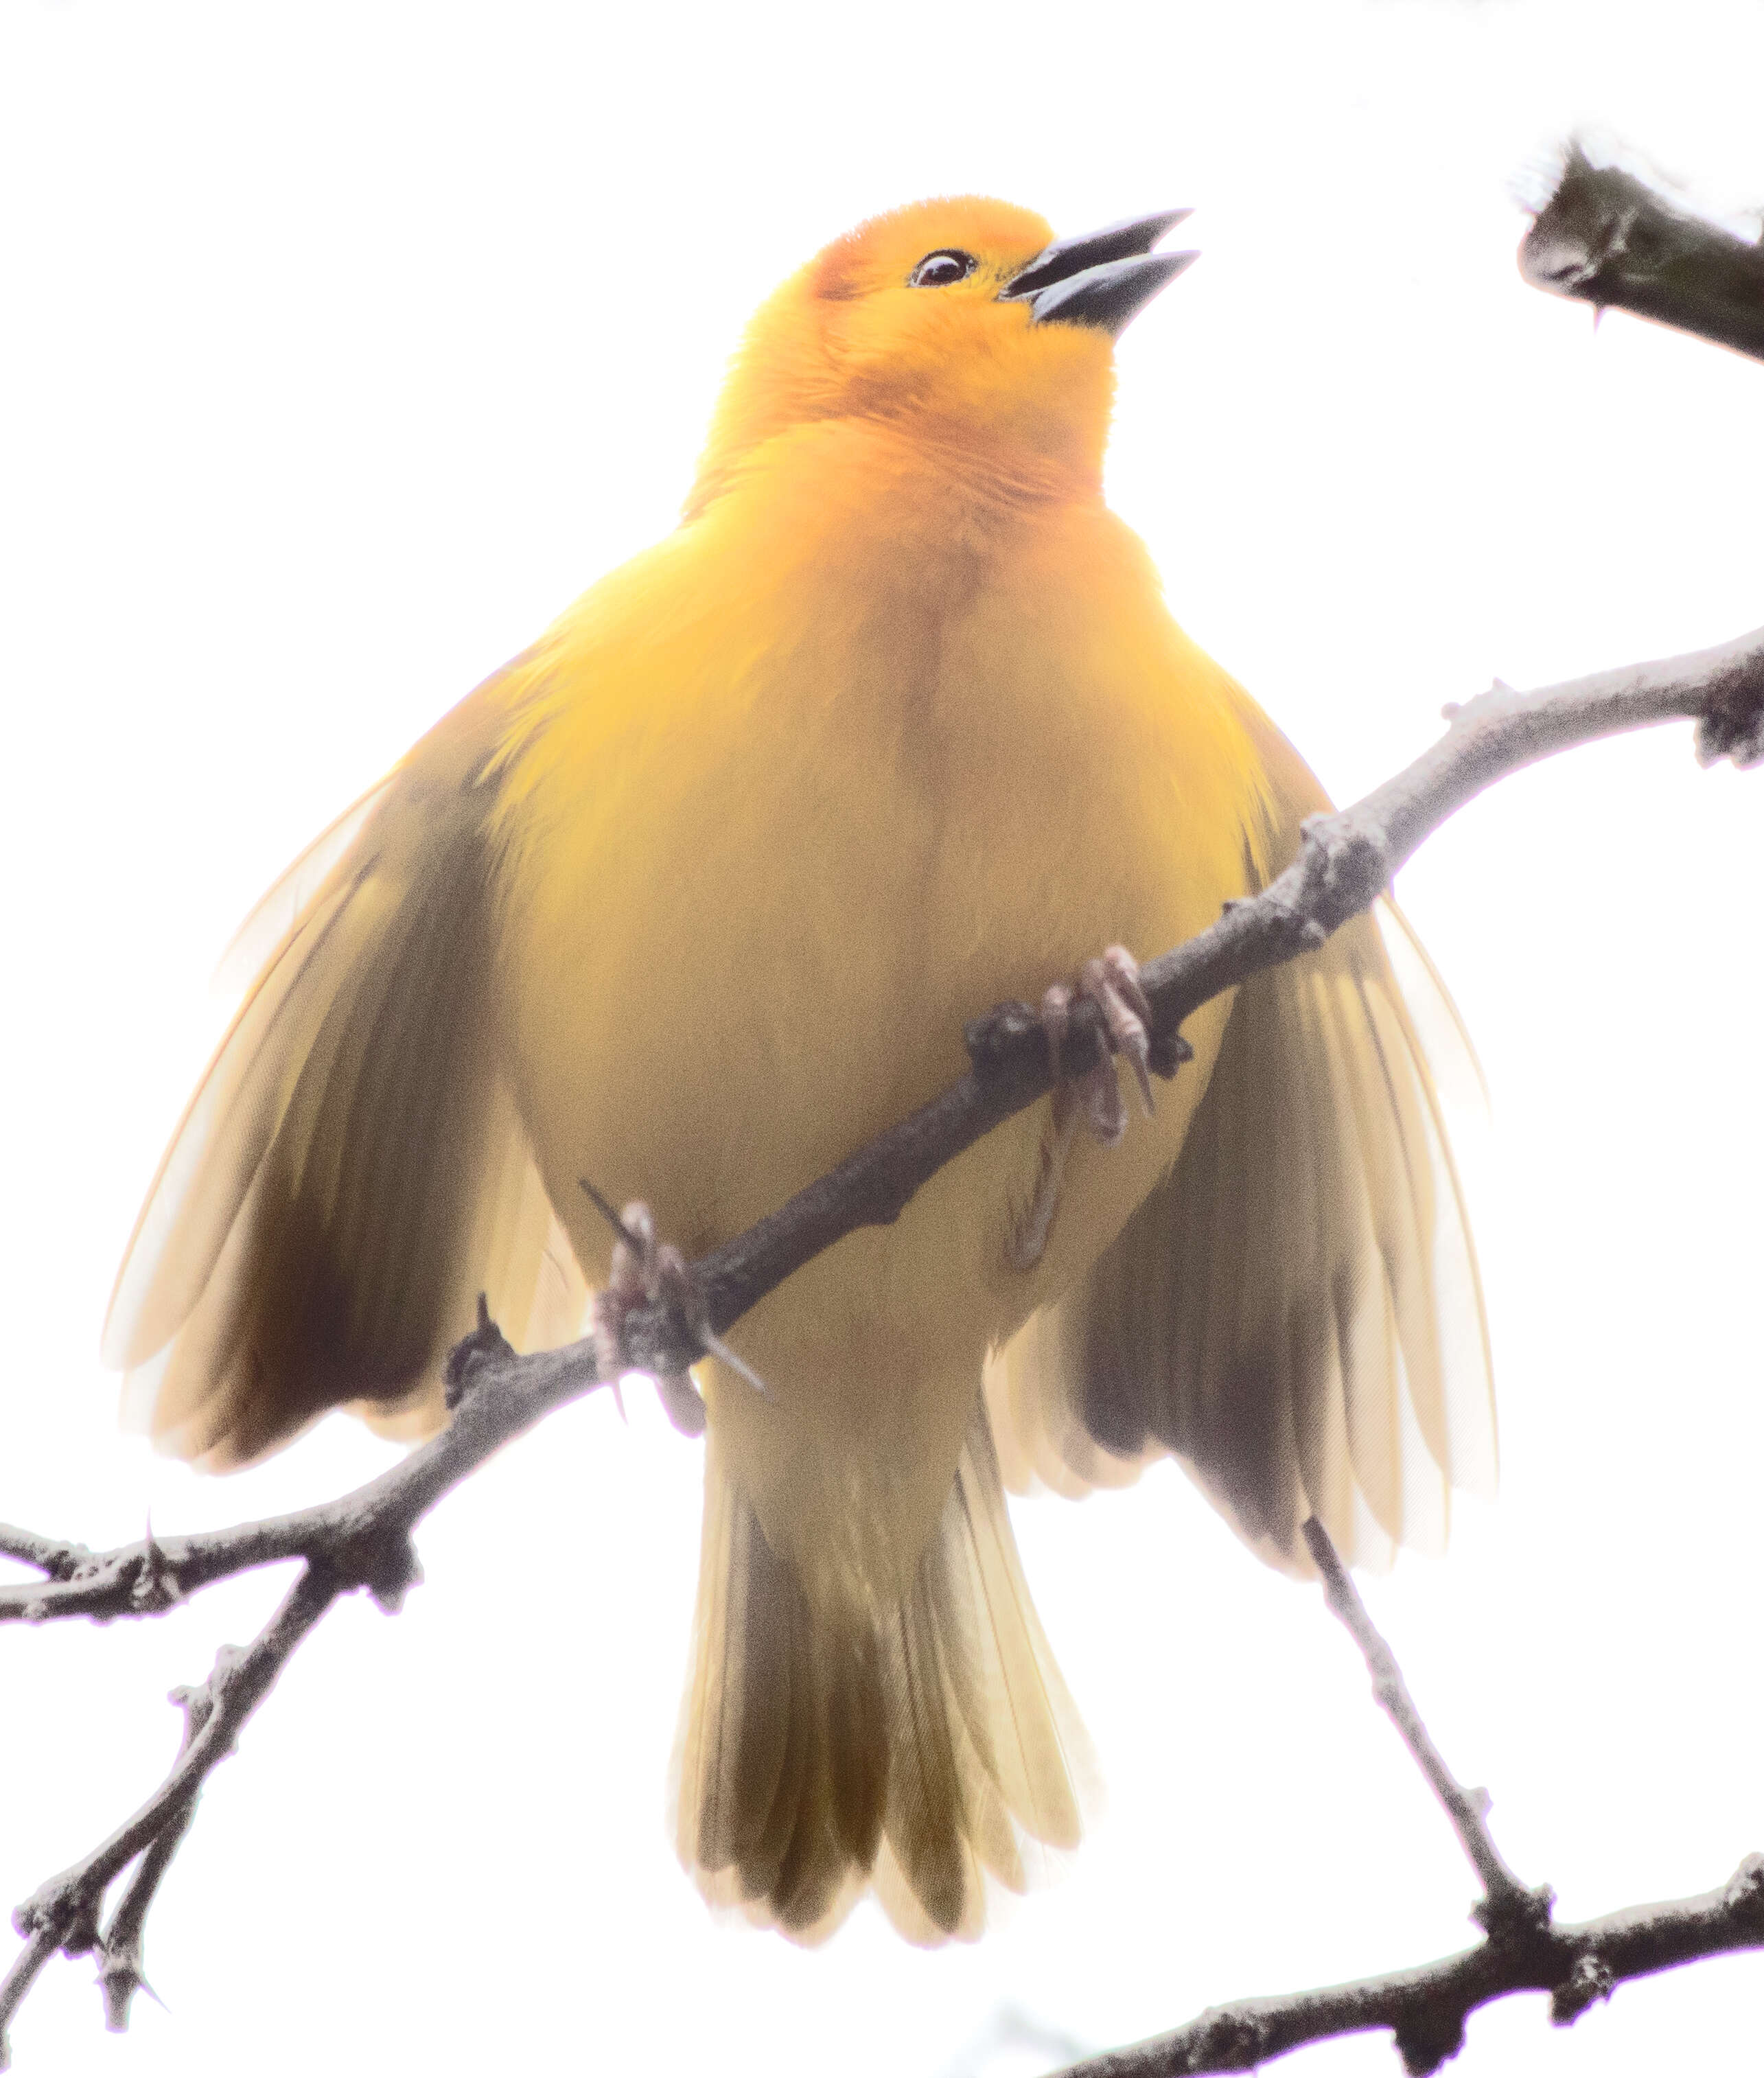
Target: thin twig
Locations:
point(1609, 239)
point(60, 1561)
point(121, 1958)
point(1508, 1905)
point(64, 1912)
point(25, 1965)
point(362, 1538)
point(121, 1973)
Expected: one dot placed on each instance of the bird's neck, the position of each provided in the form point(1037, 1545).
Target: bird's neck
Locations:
point(918, 478)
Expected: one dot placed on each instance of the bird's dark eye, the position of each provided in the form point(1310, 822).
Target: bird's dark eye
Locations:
point(937, 270)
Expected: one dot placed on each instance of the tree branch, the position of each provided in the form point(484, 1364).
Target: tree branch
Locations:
point(1609, 239)
point(60, 1562)
point(1425, 2009)
point(1508, 1906)
point(19, 1979)
point(363, 1539)
point(120, 1972)
point(63, 1913)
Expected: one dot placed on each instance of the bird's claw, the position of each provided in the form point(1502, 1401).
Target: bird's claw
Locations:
point(644, 1271)
point(1113, 984)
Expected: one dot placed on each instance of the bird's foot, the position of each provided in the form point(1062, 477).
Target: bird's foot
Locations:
point(1094, 1099)
point(1113, 984)
point(644, 1270)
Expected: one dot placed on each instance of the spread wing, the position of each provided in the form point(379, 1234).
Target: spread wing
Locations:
point(1294, 1312)
point(351, 1171)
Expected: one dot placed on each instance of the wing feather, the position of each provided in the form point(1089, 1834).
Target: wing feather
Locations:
point(352, 1171)
point(1294, 1310)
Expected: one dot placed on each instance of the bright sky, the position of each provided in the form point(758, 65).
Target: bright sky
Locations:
point(344, 344)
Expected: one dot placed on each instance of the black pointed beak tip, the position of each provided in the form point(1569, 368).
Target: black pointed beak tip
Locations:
point(1132, 238)
point(1167, 221)
point(1109, 297)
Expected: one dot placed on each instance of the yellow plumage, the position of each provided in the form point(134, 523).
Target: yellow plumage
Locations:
point(694, 898)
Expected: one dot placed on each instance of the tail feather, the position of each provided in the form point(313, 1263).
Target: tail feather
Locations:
point(929, 1818)
point(1015, 1704)
point(783, 1766)
point(916, 1743)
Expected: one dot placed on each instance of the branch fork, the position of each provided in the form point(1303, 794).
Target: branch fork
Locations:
point(1524, 1947)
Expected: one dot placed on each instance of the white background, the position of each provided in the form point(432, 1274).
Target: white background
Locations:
point(342, 345)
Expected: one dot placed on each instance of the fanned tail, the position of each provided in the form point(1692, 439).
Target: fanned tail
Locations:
point(917, 1743)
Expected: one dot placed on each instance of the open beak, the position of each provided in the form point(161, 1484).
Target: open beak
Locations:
point(1103, 280)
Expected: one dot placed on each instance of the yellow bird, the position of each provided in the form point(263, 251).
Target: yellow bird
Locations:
point(694, 898)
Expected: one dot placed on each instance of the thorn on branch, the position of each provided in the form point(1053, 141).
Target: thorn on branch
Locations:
point(119, 1979)
point(485, 1349)
point(156, 1586)
point(603, 1205)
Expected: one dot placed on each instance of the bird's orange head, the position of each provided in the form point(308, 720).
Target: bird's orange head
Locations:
point(962, 323)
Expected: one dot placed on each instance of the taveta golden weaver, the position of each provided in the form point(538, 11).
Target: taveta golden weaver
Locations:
point(694, 898)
